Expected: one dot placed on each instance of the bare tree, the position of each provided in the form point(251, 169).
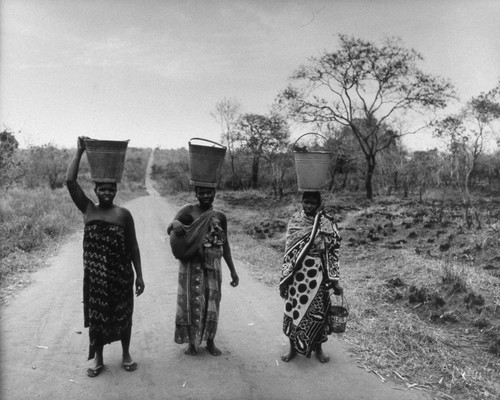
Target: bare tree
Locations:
point(392, 166)
point(367, 88)
point(467, 132)
point(260, 135)
point(280, 163)
point(421, 171)
point(346, 153)
point(227, 113)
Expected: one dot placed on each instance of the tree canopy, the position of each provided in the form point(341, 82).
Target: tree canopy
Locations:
point(467, 132)
point(8, 148)
point(260, 134)
point(369, 88)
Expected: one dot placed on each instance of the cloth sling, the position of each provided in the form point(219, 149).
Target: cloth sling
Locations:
point(186, 247)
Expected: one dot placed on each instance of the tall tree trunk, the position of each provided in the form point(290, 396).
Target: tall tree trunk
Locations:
point(344, 182)
point(370, 168)
point(255, 172)
point(468, 197)
point(233, 171)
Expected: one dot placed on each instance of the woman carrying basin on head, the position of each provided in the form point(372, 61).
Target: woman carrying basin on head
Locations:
point(110, 249)
point(311, 261)
point(199, 239)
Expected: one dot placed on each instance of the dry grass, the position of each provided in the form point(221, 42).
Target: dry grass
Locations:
point(33, 222)
point(397, 340)
point(439, 344)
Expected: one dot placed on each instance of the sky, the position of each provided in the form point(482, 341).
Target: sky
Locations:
point(152, 71)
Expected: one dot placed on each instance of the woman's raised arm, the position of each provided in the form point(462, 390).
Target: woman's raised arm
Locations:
point(76, 192)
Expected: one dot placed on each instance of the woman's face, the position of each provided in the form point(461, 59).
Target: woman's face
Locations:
point(205, 196)
point(106, 193)
point(310, 205)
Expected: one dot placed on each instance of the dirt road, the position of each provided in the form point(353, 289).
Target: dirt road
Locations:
point(44, 344)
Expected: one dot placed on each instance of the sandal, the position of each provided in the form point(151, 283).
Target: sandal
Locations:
point(130, 367)
point(93, 372)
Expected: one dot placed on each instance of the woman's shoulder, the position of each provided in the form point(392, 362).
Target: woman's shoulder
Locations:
point(219, 213)
point(296, 215)
point(188, 208)
point(116, 215)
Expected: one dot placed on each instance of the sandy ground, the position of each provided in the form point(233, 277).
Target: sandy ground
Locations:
point(44, 345)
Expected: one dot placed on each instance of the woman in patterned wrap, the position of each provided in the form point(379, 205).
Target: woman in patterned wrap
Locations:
point(110, 248)
point(198, 238)
point(310, 270)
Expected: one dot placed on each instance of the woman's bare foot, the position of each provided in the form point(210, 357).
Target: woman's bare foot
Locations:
point(191, 350)
point(290, 355)
point(320, 355)
point(212, 349)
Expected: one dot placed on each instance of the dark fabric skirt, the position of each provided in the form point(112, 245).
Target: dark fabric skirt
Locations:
point(108, 280)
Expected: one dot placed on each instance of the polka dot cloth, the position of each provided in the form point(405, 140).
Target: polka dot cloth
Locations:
point(304, 288)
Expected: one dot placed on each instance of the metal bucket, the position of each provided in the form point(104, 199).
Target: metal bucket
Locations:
point(337, 316)
point(311, 167)
point(337, 319)
point(106, 159)
point(205, 163)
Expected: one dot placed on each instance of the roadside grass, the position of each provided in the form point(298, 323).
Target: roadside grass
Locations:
point(396, 338)
point(34, 222)
point(31, 222)
point(417, 322)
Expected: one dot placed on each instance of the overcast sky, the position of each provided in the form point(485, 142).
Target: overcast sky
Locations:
point(153, 71)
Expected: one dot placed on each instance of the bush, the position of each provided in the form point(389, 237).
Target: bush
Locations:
point(30, 217)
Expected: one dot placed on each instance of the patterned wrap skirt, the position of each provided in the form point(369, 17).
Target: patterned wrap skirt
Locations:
point(307, 300)
point(108, 284)
point(198, 297)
